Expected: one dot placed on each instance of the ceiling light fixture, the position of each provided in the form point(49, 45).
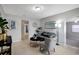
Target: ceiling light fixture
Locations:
point(36, 8)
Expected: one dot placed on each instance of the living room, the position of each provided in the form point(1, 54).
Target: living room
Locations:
point(24, 19)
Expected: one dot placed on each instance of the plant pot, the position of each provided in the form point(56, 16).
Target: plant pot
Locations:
point(3, 36)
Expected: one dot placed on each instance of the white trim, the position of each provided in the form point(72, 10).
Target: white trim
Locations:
point(71, 46)
point(16, 41)
point(65, 32)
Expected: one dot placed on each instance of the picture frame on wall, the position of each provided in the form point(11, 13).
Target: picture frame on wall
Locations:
point(50, 25)
point(13, 24)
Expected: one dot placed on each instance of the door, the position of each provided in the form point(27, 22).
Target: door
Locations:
point(24, 30)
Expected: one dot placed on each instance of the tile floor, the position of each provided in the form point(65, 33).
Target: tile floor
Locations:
point(23, 48)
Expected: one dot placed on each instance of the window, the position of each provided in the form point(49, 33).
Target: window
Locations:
point(75, 28)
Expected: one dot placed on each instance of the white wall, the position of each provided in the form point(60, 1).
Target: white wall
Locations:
point(16, 33)
point(61, 30)
point(1, 11)
point(66, 16)
point(31, 27)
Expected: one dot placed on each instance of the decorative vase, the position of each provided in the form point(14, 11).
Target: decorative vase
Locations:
point(3, 36)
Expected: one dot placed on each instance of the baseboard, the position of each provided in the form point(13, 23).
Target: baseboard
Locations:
point(72, 46)
point(16, 41)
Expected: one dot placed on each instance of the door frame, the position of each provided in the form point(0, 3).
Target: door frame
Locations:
point(24, 22)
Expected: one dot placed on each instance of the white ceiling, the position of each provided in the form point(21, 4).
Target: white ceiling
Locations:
point(46, 10)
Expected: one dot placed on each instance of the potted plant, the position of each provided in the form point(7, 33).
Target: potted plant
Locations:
point(3, 27)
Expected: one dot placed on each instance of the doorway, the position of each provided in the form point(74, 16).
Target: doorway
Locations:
point(24, 30)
